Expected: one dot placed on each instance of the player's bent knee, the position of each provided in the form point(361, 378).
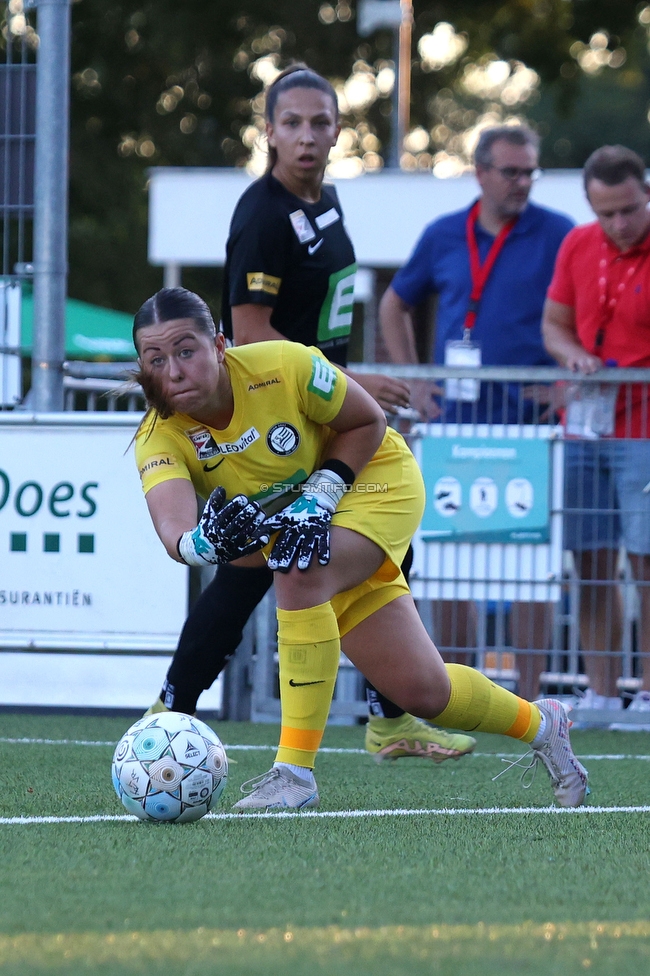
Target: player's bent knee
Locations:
point(301, 589)
point(421, 702)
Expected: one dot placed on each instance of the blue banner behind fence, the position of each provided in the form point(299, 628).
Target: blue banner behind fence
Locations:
point(486, 490)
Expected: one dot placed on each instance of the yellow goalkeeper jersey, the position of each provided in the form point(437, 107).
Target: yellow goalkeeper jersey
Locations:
point(284, 396)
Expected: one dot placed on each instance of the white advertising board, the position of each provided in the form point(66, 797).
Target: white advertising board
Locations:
point(78, 679)
point(190, 210)
point(81, 565)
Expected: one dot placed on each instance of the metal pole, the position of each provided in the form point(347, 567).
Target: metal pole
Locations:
point(51, 203)
point(171, 275)
point(404, 74)
point(395, 149)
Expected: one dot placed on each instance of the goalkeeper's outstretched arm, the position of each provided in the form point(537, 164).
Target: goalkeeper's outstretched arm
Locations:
point(226, 530)
point(174, 510)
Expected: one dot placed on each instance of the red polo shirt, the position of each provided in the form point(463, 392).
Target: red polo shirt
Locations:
point(610, 293)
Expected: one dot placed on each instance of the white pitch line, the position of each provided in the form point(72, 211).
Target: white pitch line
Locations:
point(87, 742)
point(349, 752)
point(323, 749)
point(336, 814)
point(608, 756)
point(55, 742)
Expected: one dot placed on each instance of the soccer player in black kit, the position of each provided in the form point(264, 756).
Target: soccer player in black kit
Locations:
point(289, 274)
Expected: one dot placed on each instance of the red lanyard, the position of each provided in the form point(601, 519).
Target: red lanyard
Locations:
point(481, 273)
point(607, 308)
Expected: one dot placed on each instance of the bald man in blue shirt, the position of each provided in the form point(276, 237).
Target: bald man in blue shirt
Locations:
point(520, 241)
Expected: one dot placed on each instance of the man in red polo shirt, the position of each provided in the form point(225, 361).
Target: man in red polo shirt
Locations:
point(598, 313)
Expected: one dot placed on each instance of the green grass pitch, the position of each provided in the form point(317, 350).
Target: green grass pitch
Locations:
point(456, 894)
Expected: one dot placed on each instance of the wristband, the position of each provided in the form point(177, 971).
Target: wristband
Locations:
point(187, 551)
point(341, 469)
point(327, 487)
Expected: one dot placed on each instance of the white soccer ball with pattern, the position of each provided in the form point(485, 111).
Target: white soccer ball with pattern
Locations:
point(170, 768)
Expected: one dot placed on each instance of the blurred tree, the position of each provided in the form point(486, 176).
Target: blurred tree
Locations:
point(156, 83)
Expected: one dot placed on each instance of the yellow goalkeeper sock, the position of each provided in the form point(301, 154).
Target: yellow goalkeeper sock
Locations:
point(476, 704)
point(309, 648)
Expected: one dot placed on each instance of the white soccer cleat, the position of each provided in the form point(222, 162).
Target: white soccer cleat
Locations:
point(640, 703)
point(279, 789)
point(568, 777)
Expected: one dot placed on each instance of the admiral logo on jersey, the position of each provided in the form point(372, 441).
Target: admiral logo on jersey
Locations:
point(204, 443)
point(283, 439)
point(258, 281)
point(157, 461)
point(262, 383)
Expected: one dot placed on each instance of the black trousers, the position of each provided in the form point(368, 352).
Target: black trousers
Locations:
point(213, 631)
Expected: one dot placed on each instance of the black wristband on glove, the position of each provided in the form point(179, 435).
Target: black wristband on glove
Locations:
point(341, 469)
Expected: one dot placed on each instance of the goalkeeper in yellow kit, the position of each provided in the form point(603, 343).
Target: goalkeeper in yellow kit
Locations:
point(295, 459)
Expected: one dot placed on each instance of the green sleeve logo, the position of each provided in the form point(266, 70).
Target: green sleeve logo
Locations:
point(335, 319)
point(323, 378)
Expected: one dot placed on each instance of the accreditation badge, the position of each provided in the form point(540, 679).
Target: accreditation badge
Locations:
point(462, 352)
point(591, 410)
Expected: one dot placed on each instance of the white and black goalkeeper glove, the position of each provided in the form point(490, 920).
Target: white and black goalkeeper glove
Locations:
point(304, 526)
point(226, 531)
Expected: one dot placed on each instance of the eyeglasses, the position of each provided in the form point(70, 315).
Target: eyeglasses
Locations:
point(514, 173)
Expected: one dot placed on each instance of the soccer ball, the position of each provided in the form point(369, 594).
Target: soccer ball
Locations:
point(170, 768)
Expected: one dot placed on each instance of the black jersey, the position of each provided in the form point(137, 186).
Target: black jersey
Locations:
point(295, 257)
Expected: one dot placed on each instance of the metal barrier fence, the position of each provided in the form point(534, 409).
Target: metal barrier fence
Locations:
point(17, 141)
point(101, 386)
point(520, 568)
point(97, 395)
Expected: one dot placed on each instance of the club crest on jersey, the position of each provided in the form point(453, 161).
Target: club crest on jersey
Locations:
point(204, 443)
point(282, 439)
point(304, 230)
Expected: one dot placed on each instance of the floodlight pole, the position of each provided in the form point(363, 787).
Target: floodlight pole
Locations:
point(51, 203)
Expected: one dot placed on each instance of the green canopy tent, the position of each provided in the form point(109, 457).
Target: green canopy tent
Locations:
point(91, 332)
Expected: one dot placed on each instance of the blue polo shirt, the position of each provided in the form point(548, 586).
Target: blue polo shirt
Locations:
point(508, 323)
